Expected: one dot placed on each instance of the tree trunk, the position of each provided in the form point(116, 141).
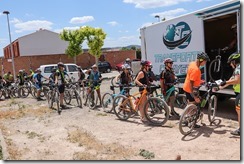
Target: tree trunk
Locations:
point(75, 59)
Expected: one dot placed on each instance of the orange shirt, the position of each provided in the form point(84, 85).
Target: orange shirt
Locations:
point(193, 74)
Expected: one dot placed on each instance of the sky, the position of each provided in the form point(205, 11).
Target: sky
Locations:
point(120, 19)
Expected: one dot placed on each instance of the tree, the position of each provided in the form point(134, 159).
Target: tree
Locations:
point(75, 39)
point(95, 40)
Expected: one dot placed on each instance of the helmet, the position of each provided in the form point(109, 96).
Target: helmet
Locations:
point(21, 70)
point(60, 64)
point(94, 66)
point(54, 70)
point(126, 66)
point(145, 63)
point(127, 60)
point(38, 70)
point(168, 60)
point(203, 56)
point(234, 57)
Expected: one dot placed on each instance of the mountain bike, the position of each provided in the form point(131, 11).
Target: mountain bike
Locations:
point(126, 107)
point(53, 96)
point(192, 113)
point(72, 92)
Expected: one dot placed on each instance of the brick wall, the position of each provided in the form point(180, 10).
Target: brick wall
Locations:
point(85, 60)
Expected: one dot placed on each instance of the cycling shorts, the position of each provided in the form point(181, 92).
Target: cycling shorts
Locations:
point(38, 86)
point(189, 97)
point(61, 88)
point(238, 100)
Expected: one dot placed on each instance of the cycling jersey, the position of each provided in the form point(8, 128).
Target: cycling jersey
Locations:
point(168, 76)
point(125, 78)
point(193, 74)
point(61, 77)
point(37, 78)
point(237, 72)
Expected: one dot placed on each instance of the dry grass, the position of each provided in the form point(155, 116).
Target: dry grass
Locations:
point(95, 150)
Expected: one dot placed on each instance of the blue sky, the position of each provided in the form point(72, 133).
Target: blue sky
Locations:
point(120, 19)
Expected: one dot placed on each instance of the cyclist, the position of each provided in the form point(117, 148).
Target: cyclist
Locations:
point(21, 77)
point(31, 74)
point(193, 79)
point(8, 77)
point(127, 61)
point(52, 77)
point(2, 82)
point(81, 74)
point(142, 80)
point(151, 74)
point(167, 80)
point(234, 61)
point(125, 77)
point(60, 82)
point(37, 77)
point(95, 78)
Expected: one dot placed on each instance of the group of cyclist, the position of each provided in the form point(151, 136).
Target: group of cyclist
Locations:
point(191, 85)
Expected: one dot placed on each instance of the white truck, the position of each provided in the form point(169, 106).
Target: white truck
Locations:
point(183, 37)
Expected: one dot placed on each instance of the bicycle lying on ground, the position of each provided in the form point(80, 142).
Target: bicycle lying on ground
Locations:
point(192, 113)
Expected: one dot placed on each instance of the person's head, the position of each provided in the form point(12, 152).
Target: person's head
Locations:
point(38, 70)
point(9, 73)
point(60, 66)
point(21, 71)
point(168, 63)
point(127, 60)
point(234, 60)
point(202, 58)
point(145, 65)
point(94, 67)
point(126, 68)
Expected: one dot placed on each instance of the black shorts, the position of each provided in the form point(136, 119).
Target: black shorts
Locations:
point(61, 88)
point(189, 97)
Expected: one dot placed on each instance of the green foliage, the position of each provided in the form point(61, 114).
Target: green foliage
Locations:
point(146, 154)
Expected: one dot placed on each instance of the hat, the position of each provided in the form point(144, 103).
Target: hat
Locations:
point(94, 66)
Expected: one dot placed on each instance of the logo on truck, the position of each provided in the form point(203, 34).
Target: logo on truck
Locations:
point(177, 36)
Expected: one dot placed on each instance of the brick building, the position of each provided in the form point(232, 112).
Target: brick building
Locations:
point(45, 47)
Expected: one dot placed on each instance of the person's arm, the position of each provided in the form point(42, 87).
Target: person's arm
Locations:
point(117, 78)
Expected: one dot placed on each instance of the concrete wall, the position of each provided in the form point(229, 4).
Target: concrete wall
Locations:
point(85, 60)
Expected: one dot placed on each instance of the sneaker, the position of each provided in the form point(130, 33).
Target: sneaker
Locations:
point(236, 132)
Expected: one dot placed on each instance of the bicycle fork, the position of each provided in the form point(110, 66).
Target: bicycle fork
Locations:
point(217, 65)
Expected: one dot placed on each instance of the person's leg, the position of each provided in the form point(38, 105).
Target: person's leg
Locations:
point(141, 106)
point(99, 96)
point(238, 108)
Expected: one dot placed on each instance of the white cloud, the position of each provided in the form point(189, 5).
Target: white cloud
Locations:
point(170, 14)
point(113, 23)
point(15, 20)
point(80, 20)
point(32, 25)
point(144, 4)
point(3, 41)
point(203, 0)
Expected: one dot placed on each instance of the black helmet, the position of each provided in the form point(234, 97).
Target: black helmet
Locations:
point(168, 60)
point(203, 56)
point(234, 57)
point(60, 64)
point(145, 63)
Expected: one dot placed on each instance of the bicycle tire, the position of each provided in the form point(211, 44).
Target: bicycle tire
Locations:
point(23, 92)
point(50, 99)
point(212, 107)
point(188, 120)
point(92, 100)
point(59, 110)
point(215, 75)
point(107, 102)
point(181, 101)
point(113, 82)
point(122, 113)
point(78, 99)
point(67, 97)
point(156, 111)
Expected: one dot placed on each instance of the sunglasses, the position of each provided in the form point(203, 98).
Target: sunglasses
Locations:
point(170, 62)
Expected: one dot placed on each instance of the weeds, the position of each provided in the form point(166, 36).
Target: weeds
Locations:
point(146, 154)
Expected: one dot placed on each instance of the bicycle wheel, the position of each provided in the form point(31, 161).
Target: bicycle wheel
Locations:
point(92, 99)
point(57, 102)
point(180, 101)
point(188, 119)
point(78, 99)
point(67, 97)
point(107, 102)
point(214, 73)
point(113, 82)
point(23, 92)
point(122, 107)
point(156, 111)
point(50, 99)
point(212, 107)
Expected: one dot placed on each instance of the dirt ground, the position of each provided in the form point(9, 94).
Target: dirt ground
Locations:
point(34, 132)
